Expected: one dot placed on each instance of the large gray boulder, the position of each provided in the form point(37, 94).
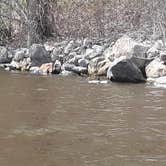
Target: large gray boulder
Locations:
point(126, 46)
point(4, 58)
point(156, 68)
point(124, 70)
point(129, 49)
point(38, 55)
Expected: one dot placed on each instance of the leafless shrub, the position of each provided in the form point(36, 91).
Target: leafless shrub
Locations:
point(36, 20)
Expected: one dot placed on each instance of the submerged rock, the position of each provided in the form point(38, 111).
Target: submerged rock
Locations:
point(158, 82)
point(98, 81)
point(35, 70)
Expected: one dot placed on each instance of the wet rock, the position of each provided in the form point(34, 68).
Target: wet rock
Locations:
point(4, 58)
point(125, 71)
point(158, 82)
point(35, 70)
point(57, 67)
point(76, 69)
point(161, 80)
point(15, 65)
point(38, 55)
point(67, 73)
point(156, 68)
point(46, 68)
point(7, 67)
point(98, 81)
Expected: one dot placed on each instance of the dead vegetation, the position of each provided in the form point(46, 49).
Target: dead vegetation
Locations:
point(24, 22)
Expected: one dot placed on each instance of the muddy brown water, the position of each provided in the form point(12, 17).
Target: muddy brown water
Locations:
point(64, 121)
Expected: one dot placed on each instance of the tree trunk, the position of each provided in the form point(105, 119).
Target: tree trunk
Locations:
point(38, 22)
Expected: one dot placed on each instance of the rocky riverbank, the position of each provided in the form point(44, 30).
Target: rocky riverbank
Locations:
point(126, 60)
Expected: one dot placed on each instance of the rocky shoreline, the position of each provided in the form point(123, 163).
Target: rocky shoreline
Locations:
point(126, 60)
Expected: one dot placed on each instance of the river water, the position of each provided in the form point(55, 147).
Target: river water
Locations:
point(64, 121)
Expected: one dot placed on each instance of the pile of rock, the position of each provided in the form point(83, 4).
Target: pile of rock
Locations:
point(126, 60)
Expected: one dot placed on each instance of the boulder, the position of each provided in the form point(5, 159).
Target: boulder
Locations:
point(20, 54)
point(107, 53)
point(154, 50)
point(76, 69)
point(15, 65)
point(95, 51)
point(46, 68)
point(4, 58)
point(57, 54)
point(125, 70)
point(72, 60)
point(38, 55)
point(102, 71)
point(95, 65)
point(57, 67)
point(35, 70)
point(156, 68)
point(69, 47)
point(87, 43)
point(83, 62)
point(125, 46)
point(163, 57)
point(7, 66)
